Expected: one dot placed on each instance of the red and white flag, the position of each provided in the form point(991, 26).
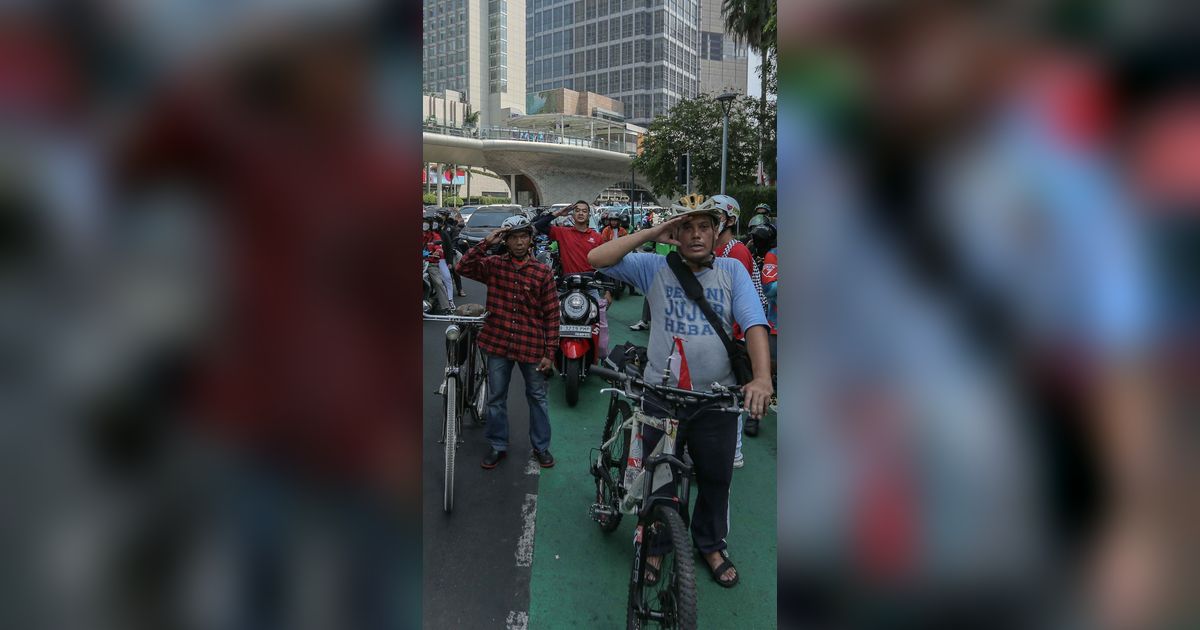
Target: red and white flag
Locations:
point(679, 366)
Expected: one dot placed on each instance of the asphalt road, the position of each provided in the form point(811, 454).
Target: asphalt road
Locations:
point(476, 560)
point(519, 551)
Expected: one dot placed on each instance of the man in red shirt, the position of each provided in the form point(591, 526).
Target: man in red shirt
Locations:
point(729, 247)
point(521, 328)
point(574, 243)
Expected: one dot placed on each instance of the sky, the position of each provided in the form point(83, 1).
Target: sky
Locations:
point(753, 85)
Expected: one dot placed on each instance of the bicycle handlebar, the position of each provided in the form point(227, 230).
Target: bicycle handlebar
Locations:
point(609, 375)
point(672, 394)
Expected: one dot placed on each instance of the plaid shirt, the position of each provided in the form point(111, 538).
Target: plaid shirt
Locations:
point(522, 305)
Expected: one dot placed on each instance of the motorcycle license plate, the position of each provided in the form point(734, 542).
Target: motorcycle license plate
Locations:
point(571, 330)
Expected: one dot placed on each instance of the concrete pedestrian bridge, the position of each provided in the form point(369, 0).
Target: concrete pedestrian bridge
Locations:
point(554, 168)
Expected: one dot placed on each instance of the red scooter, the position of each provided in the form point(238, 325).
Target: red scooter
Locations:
point(579, 330)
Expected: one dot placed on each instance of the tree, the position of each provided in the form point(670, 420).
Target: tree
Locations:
point(753, 22)
point(694, 126)
point(765, 131)
point(471, 119)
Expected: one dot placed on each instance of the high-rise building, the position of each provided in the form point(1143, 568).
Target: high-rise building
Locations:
point(477, 48)
point(724, 65)
point(643, 53)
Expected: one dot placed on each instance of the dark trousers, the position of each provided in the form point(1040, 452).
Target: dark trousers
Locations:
point(710, 438)
point(646, 311)
point(454, 257)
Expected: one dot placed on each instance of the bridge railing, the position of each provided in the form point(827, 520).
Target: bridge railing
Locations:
point(529, 135)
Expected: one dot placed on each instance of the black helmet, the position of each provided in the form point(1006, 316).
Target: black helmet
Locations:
point(762, 238)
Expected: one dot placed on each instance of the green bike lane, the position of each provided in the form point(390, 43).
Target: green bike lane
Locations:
point(580, 574)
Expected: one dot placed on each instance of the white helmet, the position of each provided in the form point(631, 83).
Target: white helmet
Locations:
point(728, 206)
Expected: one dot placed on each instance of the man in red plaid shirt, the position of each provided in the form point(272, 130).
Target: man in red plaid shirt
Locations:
point(521, 328)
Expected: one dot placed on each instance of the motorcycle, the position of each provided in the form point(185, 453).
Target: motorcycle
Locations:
point(541, 250)
point(428, 291)
point(579, 330)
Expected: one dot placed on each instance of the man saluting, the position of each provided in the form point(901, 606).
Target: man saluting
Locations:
point(521, 328)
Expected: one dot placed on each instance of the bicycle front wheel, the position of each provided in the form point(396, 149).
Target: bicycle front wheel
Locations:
point(612, 463)
point(450, 404)
point(671, 601)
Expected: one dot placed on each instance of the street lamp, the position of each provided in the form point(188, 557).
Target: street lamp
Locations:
point(726, 101)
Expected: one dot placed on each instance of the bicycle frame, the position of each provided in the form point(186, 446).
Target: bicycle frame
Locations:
point(461, 354)
point(642, 487)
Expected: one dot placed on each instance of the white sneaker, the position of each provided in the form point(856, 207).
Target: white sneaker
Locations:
point(738, 461)
point(640, 325)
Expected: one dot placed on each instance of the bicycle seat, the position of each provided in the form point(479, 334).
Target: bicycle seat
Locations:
point(469, 310)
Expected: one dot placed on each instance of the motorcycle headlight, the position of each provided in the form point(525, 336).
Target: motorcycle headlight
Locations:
point(593, 311)
point(453, 332)
point(575, 306)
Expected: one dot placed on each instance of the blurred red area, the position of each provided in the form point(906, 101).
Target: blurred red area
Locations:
point(210, 298)
point(992, 224)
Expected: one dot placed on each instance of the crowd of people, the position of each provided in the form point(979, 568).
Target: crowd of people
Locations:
point(740, 281)
point(439, 233)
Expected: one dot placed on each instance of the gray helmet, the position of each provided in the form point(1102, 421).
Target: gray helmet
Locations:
point(517, 223)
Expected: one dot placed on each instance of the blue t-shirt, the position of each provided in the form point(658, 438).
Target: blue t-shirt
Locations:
point(727, 287)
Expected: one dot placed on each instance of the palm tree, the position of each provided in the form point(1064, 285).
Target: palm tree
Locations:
point(752, 22)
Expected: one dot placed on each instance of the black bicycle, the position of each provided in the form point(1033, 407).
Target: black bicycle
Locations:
point(655, 487)
point(464, 387)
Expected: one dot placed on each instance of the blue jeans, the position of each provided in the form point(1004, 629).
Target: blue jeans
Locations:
point(499, 375)
point(446, 280)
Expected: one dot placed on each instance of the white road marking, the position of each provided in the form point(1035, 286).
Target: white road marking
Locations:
point(529, 521)
point(532, 467)
point(516, 620)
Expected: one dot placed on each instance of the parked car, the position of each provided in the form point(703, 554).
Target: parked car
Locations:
point(484, 220)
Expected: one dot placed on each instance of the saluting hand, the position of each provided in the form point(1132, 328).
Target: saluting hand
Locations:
point(495, 236)
point(665, 232)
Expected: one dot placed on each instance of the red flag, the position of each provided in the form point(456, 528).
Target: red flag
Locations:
point(679, 366)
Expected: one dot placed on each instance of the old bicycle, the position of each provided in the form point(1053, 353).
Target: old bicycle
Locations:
point(464, 387)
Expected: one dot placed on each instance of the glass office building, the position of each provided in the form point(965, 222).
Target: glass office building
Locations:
point(724, 65)
point(477, 48)
point(643, 53)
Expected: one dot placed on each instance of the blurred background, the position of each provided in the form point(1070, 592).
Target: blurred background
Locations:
point(992, 212)
point(207, 396)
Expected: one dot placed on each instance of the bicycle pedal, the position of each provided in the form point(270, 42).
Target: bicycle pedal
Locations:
point(598, 511)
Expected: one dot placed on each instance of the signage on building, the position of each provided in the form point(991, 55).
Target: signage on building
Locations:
point(448, 177)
